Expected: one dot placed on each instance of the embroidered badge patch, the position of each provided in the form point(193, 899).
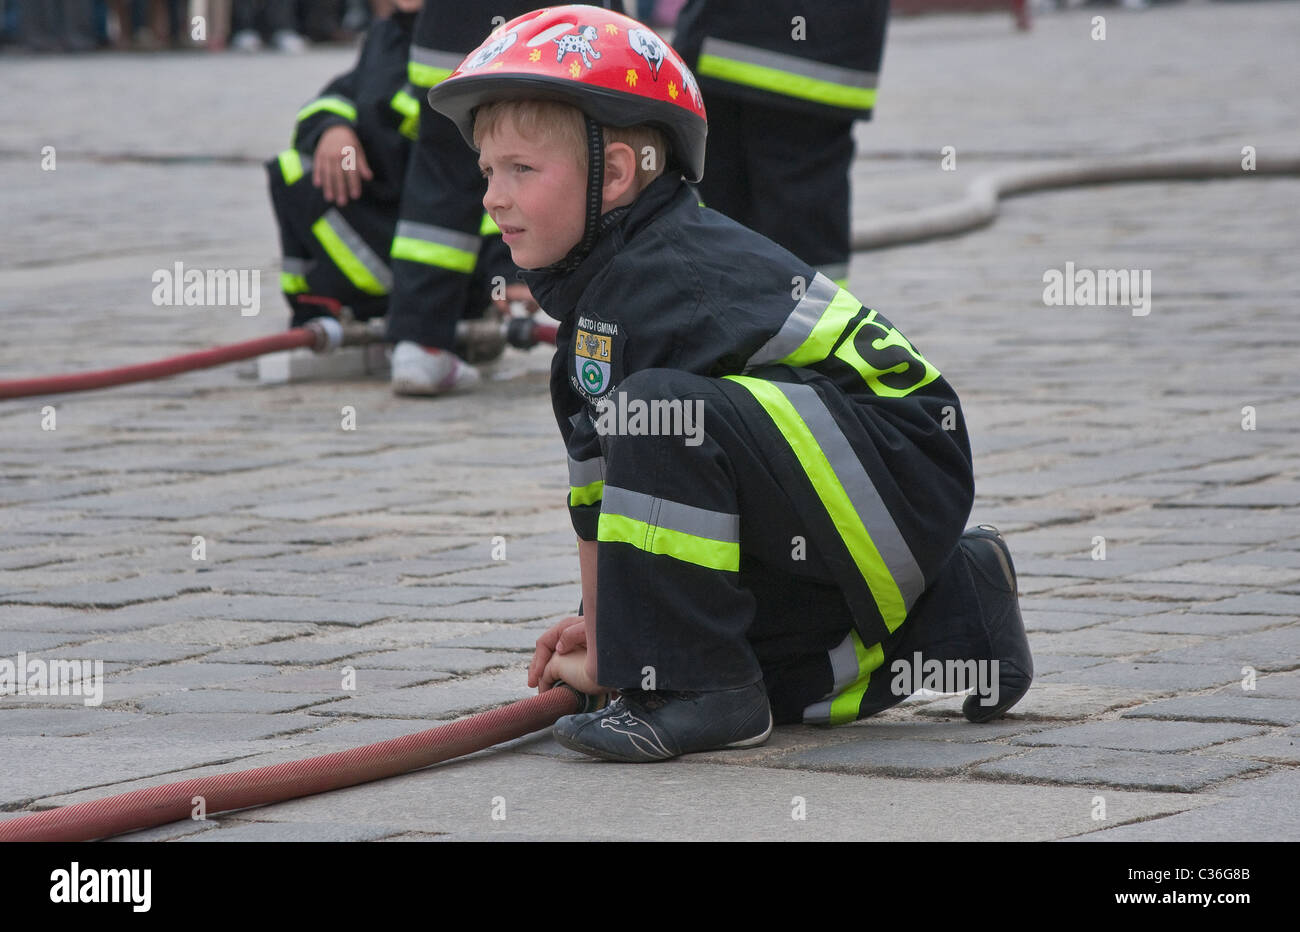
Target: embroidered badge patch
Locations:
point(597, 346)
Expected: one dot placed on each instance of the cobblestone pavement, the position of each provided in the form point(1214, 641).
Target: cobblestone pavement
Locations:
point(1167, 700)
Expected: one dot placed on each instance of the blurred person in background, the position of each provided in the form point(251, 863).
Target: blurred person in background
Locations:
point(255, 23)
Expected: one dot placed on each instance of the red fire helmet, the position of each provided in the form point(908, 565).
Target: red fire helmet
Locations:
point(611, 67)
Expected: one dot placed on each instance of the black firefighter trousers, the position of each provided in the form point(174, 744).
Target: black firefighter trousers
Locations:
point(720, 562)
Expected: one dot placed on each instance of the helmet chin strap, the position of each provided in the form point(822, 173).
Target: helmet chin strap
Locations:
point(595, 198)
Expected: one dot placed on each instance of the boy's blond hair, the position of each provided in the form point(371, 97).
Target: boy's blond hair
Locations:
point(555, 121)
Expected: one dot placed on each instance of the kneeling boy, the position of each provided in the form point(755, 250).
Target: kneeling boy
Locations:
point(768, 481)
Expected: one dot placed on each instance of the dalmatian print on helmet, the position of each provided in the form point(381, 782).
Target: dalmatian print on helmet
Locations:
point(609, 66)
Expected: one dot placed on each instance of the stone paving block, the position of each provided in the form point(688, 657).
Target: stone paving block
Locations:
point(1134, 735)
point(128, 651)
point(962, 732)
point(898, 757)
point(273, 608)
point(240, 830)
point(173, 831)
point(421, 596)
point(507, 638)
point(503, 610)
point(441, 700)
point(443, 659)
point(404, 632)
point(1051, 701)
point(1257, 603)
point(1271, 649)
point(1179, 773)
point(366, 679)
point(1263, 809)
point(299, 651)
point(1108, 642)
point(1162, 677)
point(210, 729)
point(1197, 623)
point(1045, 664)
point(1096, 606)
point(338, 733)
point(1275, 685)
point(59, 721)
point(113, 594)
point(1242, 574)
point(35, 642)
point(37, 768)
point(1061, 621)
point(1173, 595)
point(1281, 747)
point(1221, 708)
point(236, 700)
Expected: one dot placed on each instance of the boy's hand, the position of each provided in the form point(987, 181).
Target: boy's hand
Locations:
point(339, 165)
point(572, 668)
point(562, 638)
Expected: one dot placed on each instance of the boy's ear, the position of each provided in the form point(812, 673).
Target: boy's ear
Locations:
point(620, 175)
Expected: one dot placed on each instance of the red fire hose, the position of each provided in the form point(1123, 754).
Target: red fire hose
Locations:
point(158, 805)
point(482, 339)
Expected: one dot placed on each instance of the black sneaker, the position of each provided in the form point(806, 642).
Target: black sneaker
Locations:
point(642, 726)
point(995, 581)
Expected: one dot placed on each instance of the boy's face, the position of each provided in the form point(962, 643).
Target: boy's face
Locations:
point(536, 192)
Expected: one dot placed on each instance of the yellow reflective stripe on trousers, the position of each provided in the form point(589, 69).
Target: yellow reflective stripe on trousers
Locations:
point(292, 284)
point(844, 707)
point(434, 245)
point(684, 532)
point(426, 67)
point(893, 596)
point(290, 165)
point(337, 105)
point(350, 253)
point(786, 75)
point(409, 108)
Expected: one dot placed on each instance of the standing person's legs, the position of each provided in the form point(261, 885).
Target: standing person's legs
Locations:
point(798, 167)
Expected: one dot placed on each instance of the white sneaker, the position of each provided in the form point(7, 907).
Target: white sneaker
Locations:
point(246, 40)
point(419, 370)
point(286, 40)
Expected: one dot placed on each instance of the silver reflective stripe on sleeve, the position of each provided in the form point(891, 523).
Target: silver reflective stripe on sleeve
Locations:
point(799, 325)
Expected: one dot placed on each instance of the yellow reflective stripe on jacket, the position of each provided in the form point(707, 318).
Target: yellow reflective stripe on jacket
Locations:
point(787, 75)
point(434, 245)
point(588, 494)
point(684, 532)
point(409, 108)
point(426, 67)
point(334, 104)
point(290, 165)
point(846, 492)
point(586, 481)
point(349, 252)
point(488, 227)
